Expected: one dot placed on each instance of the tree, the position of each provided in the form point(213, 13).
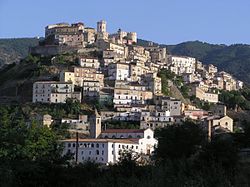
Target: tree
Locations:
point(179, 141)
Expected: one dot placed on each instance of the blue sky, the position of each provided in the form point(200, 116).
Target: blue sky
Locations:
point(163, 21)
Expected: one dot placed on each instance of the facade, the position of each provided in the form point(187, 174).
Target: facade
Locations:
point(155, 119)
point(118, 71)
point(180, 65)
point(89, 63)
point(108, 150)
point(54, 92)
point(91, 88)
point(65, 34)
point(205, 96)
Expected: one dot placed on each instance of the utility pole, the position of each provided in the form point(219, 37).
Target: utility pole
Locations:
point(77, 146)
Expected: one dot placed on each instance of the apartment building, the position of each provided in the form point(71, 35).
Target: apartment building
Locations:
point(155, 119)
point(54, 92)
point(119, 71)
point(91, 88)
point(180, 64)
point(89, 62)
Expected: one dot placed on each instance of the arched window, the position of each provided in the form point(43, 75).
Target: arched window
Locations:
point(113, 137)
point(97, 145)
point(92, 145)
point(129, 136)
point(97, 152)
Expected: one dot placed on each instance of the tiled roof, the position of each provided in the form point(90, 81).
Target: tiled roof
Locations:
point(96, 140)
point(123, 131)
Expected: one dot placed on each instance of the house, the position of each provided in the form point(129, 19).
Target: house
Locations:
point(224, 122)
point(155, 119)
point(205, 96)
point(81, 123)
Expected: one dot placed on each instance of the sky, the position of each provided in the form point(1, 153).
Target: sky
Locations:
point(161, 21)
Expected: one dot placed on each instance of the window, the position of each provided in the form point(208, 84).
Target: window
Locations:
point(74, 145)
point(92, 145)
point(102, 152)
point(97, 145)
point(89, 152)
point(148, 137)
point(97, 152)
point(69, 144)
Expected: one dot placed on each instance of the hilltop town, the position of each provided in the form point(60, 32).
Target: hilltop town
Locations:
point(127, 83)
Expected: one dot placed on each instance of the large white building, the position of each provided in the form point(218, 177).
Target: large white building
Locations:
point(107, 146)
point(89, 62)
point(54, 92)
point(119, 71)
point(107, 151)
point(180, 65)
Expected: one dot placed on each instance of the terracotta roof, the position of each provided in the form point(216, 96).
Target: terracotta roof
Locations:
point(95, 140)
point(123, 131)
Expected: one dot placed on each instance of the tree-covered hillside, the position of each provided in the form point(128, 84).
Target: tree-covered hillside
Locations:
point(12, 50)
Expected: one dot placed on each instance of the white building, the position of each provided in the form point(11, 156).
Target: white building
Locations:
point(108, 150)
point(118, 71)
point(180, 65)
point(54, 92)
point(89, 62)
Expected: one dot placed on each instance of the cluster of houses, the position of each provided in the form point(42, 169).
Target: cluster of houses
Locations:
point(125, 81)
point(205, 81)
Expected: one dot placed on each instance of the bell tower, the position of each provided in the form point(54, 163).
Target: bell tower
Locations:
point(95, 125)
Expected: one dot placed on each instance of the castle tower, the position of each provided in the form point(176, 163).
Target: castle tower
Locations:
point(95, 125)
point(102, 26)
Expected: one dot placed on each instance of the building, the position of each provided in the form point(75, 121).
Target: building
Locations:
point(118, 71)
point(224, 122)
point(107, 150)
point(205, 96)
point(54, 92)
point(155, 119)
point(81, 123)
point(89, 63)
point(180, 64)
point(64, 34)
point(91, 88)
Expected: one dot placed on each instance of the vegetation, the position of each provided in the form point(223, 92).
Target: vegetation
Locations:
point(31, 156)
point(12, 50)
point(235, 99)
point(233, 59)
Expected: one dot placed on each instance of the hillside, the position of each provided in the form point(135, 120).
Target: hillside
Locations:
point(234, 59)
point(12, 50)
